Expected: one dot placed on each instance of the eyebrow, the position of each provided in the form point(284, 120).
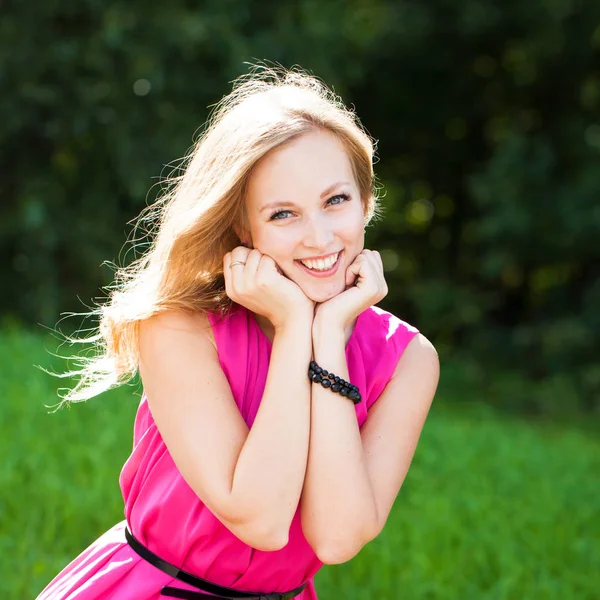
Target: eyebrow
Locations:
point(324, 193)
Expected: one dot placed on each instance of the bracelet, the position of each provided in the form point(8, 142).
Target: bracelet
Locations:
point(330, 381)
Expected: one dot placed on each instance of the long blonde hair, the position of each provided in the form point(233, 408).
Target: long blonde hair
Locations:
point(194, 223)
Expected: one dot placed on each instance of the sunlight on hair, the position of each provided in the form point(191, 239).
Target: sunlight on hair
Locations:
point(179, 240)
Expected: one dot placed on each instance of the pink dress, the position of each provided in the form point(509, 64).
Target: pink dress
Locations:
point(166, 516)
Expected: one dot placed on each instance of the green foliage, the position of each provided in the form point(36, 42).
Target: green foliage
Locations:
point(493, 508)
point(487, 116)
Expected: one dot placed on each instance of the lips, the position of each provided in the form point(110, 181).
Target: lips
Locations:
point(321, 264)
point(320, 273)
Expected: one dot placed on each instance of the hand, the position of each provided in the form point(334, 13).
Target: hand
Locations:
point(260, 286)
point(365, 286)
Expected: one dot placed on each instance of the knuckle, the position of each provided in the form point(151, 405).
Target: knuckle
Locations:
point(262, 281)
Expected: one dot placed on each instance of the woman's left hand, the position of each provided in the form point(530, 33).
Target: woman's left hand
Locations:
point(365, 286)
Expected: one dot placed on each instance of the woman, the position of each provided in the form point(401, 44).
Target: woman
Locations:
point(247, 473)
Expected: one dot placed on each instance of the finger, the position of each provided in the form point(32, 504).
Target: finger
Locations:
point(372, 257)
point(381, 283)
point(227, 273)
point(236, 270)
point(371, 273)
point(354, 270)
point(240, 253)
point(252, 262)
point(377, 264)
point(377, 257)
point(273, 266)
point(267, 267)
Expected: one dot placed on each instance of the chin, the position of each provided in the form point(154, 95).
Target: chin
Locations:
point(320, 296)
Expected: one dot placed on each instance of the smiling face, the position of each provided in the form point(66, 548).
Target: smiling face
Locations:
point(305, 211)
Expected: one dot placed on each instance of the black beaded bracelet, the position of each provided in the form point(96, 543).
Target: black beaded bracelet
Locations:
point(332, 382)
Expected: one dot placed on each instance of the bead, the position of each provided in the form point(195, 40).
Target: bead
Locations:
point(336, 384)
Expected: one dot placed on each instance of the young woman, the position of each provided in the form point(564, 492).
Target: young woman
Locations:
point(281, 409)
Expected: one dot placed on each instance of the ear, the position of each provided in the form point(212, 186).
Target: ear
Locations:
point(243, 235)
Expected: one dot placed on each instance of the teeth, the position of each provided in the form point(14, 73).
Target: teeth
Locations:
point(321, 264)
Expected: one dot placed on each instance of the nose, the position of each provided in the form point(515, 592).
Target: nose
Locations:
point(318, 233)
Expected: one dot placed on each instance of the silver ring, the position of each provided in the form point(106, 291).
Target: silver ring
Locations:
point(236, 262)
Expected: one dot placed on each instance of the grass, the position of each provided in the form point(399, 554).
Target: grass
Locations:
point(494, 507)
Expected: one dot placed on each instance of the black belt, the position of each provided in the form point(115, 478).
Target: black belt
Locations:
point(216, 592)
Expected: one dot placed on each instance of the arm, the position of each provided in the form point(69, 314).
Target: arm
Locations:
point(251, 480)
point(353, 476)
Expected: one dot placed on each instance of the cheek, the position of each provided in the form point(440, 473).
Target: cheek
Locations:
point(274, 241)
point(352, 231)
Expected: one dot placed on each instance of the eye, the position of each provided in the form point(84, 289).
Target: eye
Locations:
point(335, 200)
point(280, 215)
point(277, 216)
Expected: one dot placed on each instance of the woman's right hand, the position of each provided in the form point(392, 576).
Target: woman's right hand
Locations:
point(259, 286)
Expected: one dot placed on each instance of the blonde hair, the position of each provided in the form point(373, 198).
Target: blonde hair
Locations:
point(194, 223)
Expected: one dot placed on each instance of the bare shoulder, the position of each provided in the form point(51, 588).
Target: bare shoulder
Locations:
point(420, 357)
point(176, 350)
point(171, 324)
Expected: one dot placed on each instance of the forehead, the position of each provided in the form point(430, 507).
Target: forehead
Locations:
point(305, 165)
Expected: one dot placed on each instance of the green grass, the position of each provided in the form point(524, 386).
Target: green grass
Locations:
point(494, 507)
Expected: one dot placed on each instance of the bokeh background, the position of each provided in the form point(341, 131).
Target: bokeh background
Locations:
point(487, 116)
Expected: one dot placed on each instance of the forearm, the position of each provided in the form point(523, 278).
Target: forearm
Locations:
point(270, 470)
point(338, 504)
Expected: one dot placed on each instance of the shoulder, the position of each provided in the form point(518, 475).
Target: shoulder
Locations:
point(171, 324)
point(387, 319)
point(381, 341)
point(383, 327)
point(421, 357)
point(414, 349)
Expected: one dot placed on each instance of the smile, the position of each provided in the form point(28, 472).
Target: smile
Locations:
point(321, 267)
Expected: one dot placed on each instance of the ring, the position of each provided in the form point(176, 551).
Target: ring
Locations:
point(236, 262)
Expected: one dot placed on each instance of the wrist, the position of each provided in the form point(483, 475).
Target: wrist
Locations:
point(328, 333)
point(327, 322)
point(333, 382)
point(328, 345)
point(298, 323)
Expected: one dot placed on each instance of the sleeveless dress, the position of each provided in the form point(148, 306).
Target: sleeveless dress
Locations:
point(167, 517)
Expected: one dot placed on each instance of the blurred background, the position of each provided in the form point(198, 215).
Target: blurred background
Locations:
point(487, 116)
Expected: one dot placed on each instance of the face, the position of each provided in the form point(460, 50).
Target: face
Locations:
point(305, 211)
